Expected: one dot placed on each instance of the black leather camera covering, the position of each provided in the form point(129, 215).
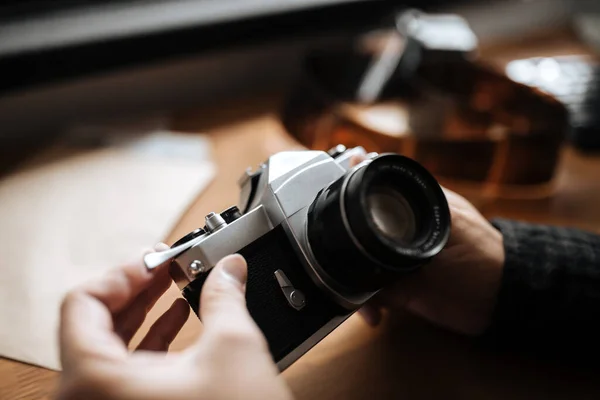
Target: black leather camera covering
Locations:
point(284, 327)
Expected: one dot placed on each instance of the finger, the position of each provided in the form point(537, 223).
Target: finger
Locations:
point(400, 293)
point(120, 286)
point(166, 327)
point(371, 314)
point(128, 321)
point(223, 308)
point(87, 312)
point(86, 331)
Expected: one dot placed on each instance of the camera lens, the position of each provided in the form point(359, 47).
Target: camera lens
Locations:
point(392, 214)
point(382, 219)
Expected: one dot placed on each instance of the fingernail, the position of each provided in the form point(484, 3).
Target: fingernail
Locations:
point(161, 246)
point(234, 267)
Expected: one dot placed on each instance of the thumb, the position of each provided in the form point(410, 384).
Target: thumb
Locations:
point(223, 308)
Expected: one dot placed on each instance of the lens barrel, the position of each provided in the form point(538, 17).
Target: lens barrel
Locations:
point(384, 218)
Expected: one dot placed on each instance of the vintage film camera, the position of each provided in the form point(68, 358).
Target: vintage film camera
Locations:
point(320, 238)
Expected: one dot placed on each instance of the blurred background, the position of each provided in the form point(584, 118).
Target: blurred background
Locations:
point(125, 122)
point(71, 62)
point(391, 84)
point(67, 64)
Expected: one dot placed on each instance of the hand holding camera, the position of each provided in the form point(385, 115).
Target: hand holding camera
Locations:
point(98, 320)
point(457, 290)
point(316, 272)
point(321, 237)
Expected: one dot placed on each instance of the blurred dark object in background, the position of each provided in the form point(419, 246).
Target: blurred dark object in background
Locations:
point(573, 80)
point(67, 62)
point(49, 42)
point(464, 120)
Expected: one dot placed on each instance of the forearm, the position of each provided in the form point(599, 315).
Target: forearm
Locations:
point(549, 299)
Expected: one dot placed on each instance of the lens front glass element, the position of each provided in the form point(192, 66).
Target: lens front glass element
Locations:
point(381, 220)
point(392, 214)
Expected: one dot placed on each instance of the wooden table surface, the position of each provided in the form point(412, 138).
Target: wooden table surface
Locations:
point(403, 358)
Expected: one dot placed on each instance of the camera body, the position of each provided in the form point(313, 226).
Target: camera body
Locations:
point(316, 250)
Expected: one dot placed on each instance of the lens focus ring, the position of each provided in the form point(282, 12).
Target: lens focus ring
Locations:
point(385, 218)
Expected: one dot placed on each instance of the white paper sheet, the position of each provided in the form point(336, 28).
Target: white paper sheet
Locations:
point(67, 220)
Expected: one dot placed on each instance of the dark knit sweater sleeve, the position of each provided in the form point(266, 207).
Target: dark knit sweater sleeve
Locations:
point(549, 300)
